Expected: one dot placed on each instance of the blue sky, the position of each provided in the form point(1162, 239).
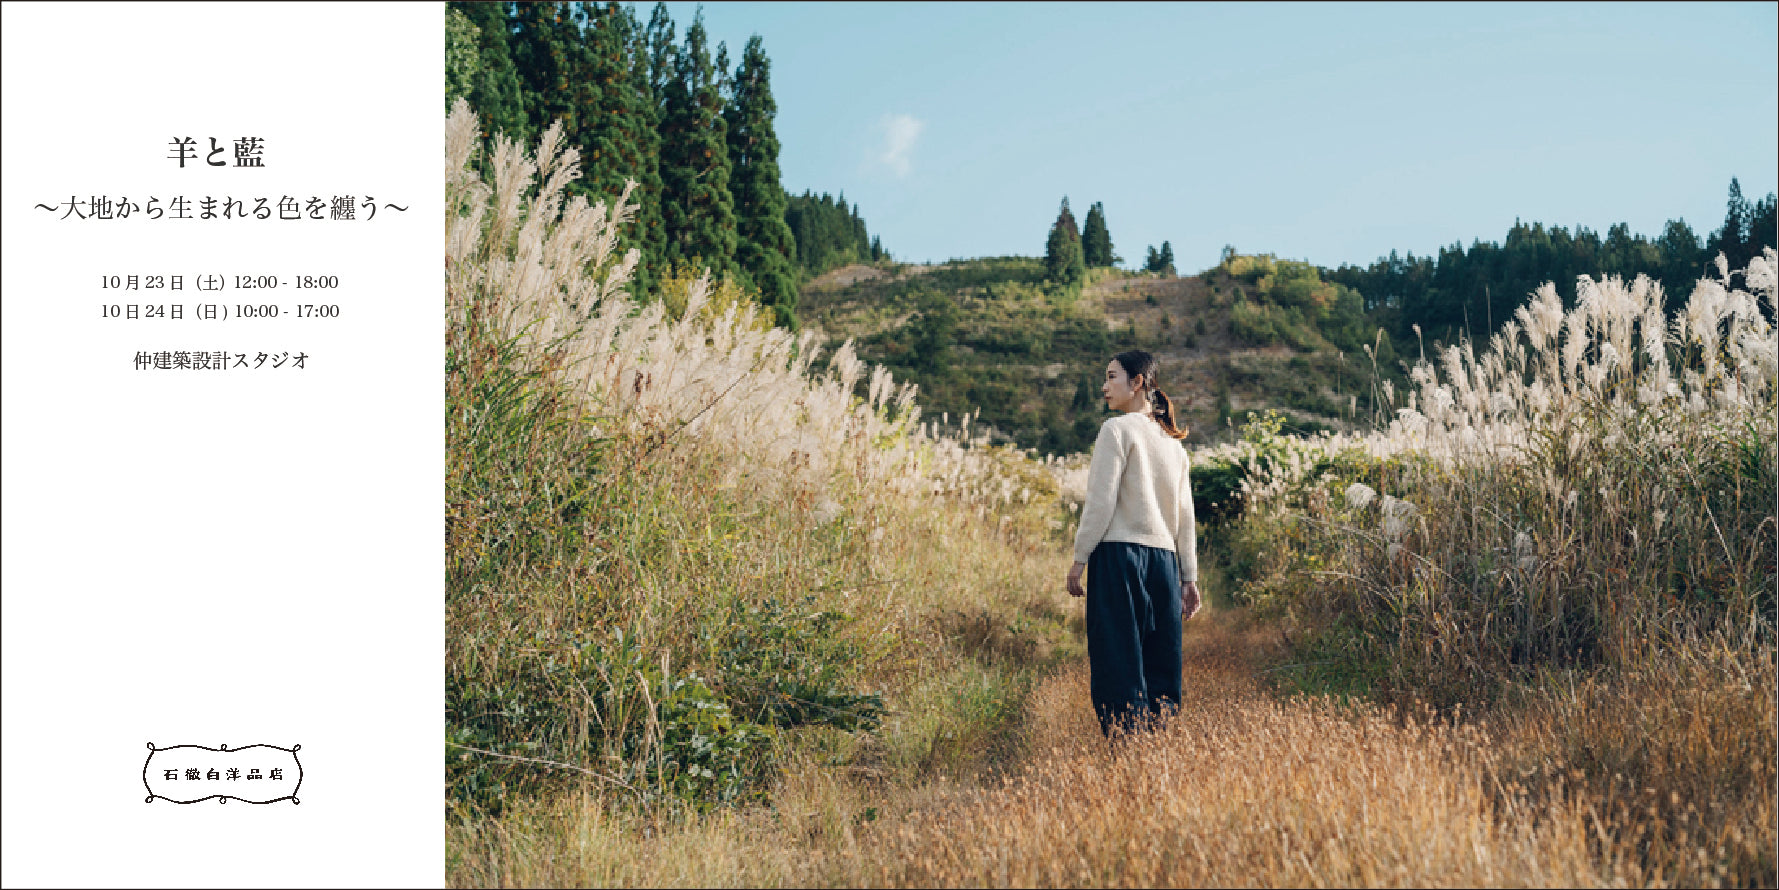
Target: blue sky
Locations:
point(1332, 133)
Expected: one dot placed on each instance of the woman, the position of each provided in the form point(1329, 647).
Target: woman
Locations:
point(1138, 544)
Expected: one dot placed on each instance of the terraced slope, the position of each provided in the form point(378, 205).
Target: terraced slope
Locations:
point(990, 335)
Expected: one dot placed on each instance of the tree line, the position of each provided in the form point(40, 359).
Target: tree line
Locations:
point(641, 103)
point(1072, 249)
point(830, 234)
point(1460, 290)
point(1475, 289)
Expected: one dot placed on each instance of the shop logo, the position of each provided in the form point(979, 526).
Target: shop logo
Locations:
point(195, 773)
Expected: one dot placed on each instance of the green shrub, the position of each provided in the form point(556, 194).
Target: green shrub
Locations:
point(1217, 491)
point(1252, 324)
point(784, 667)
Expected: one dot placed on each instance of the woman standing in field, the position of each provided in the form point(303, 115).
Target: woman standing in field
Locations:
point(1138, 544)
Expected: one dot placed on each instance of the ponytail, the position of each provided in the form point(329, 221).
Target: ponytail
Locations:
point(1138, 363)
point(1164, 414)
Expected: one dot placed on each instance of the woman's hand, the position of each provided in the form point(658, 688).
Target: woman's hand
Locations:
point(1190, 601)
point(1075, 588)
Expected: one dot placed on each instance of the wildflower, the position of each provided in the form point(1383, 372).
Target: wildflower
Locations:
point(826, 511)
point(1522, 552)
point(1360, 495)
point(1397, 514)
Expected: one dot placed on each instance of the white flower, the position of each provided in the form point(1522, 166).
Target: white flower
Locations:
point(1359, 495)
point(1522, 551)
point(1397, 514)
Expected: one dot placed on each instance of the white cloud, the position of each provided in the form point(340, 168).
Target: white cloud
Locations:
point(900, 132)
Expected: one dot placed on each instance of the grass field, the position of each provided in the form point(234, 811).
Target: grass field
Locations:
point(716, 616)
point(1246, 788)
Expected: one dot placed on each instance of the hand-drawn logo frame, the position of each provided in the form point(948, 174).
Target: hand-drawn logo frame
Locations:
point(224, 798)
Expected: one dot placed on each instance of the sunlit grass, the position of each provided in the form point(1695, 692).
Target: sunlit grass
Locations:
point(1242, 789)
point(715, 617)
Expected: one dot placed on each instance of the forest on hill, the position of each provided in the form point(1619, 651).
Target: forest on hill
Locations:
point(1019, 343)
point(1016, 342)
point(1023, 354)
point(1479, 287)
point(694, 133)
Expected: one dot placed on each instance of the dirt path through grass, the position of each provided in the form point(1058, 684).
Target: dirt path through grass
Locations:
point(1243, 789)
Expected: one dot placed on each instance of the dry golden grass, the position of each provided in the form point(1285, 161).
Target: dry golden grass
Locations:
point(1242, 789)
point(689, 471)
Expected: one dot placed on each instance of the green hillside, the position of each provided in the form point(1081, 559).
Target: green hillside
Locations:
point(992, 335)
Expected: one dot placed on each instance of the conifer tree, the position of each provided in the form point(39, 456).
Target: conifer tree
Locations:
point(1165, 260)
point(861, 239)
point(765, 249)
point(646, 137)
point(540, 48)
point(697, 209)
point(1681, 259)
point(495, 90)
point(554, 60)
point(463, 56)
point(609, 153)
point(828, 233)
point(1732, 239)
point(1763, 224)
point(1096, 239)
point(661, 51)
point(725, 83)
point(1062, 251)
point(619, 137)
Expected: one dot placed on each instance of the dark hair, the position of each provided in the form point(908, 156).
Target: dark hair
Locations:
point(1137, 363)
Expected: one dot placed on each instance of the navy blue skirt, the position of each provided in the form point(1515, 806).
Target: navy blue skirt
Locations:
point(1133, 634)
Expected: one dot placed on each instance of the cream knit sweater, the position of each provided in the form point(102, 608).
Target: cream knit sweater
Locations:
point(1139, 490)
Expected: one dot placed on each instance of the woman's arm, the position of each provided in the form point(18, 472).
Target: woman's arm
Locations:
point(1186, 534)
point(1186, 545)
point(1102, 491)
